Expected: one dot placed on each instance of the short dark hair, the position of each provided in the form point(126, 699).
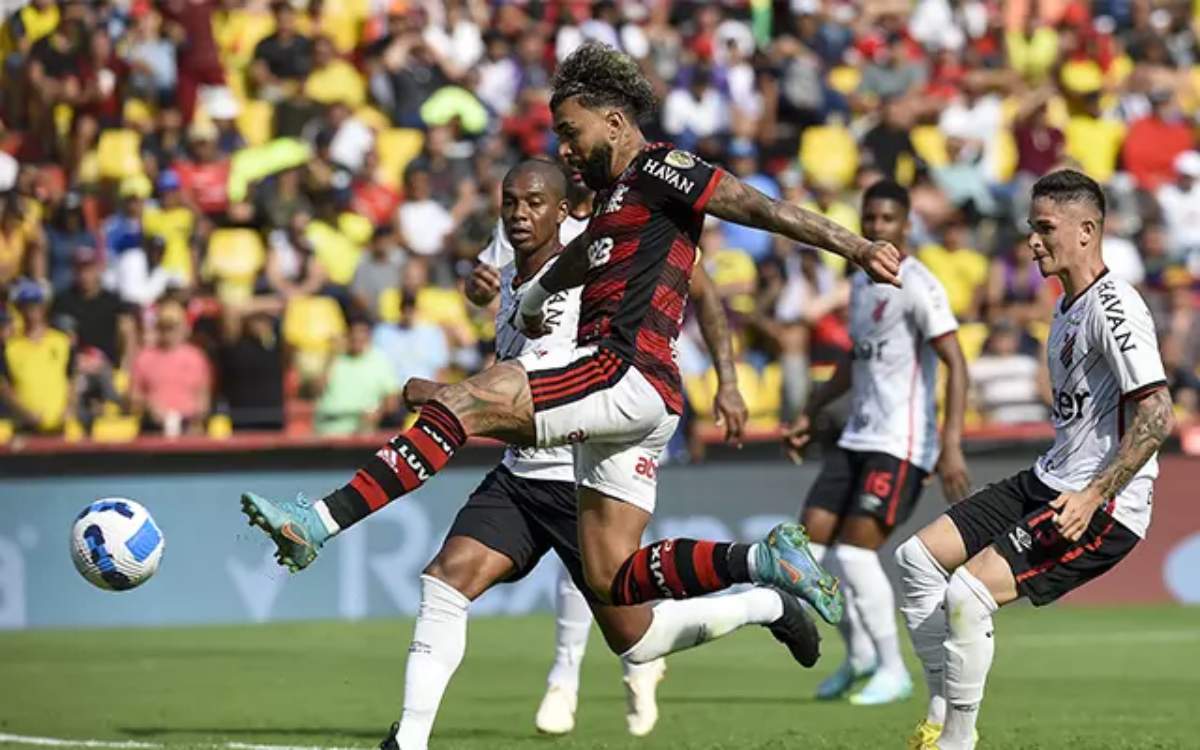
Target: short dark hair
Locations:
point(603, 77)
point(887, 190)
point(1069, 186)
point(550, 171)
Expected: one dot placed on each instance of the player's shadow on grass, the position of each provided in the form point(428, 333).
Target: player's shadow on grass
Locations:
point(376, 733)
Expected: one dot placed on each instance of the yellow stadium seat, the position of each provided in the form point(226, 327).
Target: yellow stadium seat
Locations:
point(971, 338)
point(220, 426)
point(700, 391)
point(73, 431)
point(356, 227)
point(313, 323)
point(6, 431)
point(1006, 156)
point(829, 155)
point(930, 145)
point(120, 383)
point(388, 306)
point(115, 428)
point(256, 121)
point(1040, 330)
point(234, 258)
point(768, 403)
point(845, 79)
point(396, 148)
point(372, 118)
point(119, 154)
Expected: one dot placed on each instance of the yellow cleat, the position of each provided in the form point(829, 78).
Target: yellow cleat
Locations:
point(925, 736)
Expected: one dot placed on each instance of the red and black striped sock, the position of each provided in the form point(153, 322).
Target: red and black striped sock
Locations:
point(680, 569)
point(408, 461)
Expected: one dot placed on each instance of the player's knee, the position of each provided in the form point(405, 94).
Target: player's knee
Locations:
point(599, 579)
point(968, 602)
point(911, 556)
point(458, 570)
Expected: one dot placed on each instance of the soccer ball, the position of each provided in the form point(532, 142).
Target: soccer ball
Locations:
point(115, 544)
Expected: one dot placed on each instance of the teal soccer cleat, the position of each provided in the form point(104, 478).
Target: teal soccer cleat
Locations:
point(838, 684)
point(293, 525)
point(784, 560)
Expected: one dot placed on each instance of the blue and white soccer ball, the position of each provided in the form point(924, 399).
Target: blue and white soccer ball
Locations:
point(115, 544)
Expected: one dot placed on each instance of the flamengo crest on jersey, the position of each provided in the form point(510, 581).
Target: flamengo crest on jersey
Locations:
point(894, 372)
point(562, 316)
point(1102, 353)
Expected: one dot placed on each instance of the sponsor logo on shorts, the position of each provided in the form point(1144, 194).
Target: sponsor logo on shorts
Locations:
point(870, 502)
point(647, 468)
point(1020, 539)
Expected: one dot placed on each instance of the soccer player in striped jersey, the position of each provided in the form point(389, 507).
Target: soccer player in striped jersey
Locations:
point(526, 507)
point(1084, 504)
point(617, 395)
point(871, 481)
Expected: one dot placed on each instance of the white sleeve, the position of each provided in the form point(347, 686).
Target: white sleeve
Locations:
point(930, 305)
point(499, 252)
point(1124, 332)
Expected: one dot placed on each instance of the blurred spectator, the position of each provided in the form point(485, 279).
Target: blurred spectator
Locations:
point(1017, 293)
point(1007, 387)
point(696, 111)
point(204, 178)
point(889, 141)
point(1093, 137)
point(1039, 144)
point(174, 223)
point(1180, 202)
point(166, 143)
point(332, 79)
point(37, 371)
point(284, 59)
point(359, 387)
point(222, 108)
point(378, 271)
point(962, 270)
point(447, 163)
point(21, 247)
point(1121, 256)
point(250, 368)
point(65, 234)
point(890, 73)
point(151, 57)
point(412, 348)
point(280, 199)
point(404, 72)
point(422, 221)
point(1154, 142)
point(743, 162)
point(102, 321)
point(499, 76)
point(293, 268)
point(456, 40)
point(171, 380)
point(197, 60)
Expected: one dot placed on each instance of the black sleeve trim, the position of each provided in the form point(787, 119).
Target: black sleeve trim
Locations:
point(1143, 391)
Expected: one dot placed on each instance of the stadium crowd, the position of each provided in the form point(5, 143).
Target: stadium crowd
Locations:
point(237, 214)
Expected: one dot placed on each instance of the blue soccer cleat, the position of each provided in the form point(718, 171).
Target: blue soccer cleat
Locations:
point(884, 687)
point(784, 560)
point(839, 683)
point(293, 525)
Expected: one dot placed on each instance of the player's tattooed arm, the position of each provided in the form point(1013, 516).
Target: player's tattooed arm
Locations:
point(1153, 420)
point(734, 200)
point(729, 407)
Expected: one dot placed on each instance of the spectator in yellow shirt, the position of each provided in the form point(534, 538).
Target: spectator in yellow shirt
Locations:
point(21, 248)
point(962, 270)
point(37, 368)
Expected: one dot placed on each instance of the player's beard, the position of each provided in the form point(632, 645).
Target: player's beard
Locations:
point(596, 165)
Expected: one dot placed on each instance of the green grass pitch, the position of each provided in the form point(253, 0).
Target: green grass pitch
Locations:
point(1063, 678)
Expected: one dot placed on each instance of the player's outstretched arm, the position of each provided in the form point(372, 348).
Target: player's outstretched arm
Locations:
point(1153, 420)
point(734, 200)
point(729, 406)
point(797, 435)
point(952, 466)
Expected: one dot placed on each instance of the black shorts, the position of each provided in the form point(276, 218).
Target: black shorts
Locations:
point(1013, 515)
point(853, 483)
point(523, 519)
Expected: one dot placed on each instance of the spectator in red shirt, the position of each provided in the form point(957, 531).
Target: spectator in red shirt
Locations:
point(205, 179)
point(1154, 141)
point(197, 58)
point(172, 381)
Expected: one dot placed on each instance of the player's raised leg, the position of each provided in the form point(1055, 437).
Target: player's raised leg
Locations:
point(494, 403)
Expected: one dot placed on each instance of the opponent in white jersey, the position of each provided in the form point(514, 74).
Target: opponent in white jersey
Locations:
point(1085, 504)
point(872, 480)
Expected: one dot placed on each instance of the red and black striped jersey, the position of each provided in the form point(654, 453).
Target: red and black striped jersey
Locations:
point(641, 251)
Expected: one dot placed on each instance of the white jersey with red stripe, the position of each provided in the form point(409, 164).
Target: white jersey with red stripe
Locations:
point(562, 315)
point(894, 370)
point(1103, 354)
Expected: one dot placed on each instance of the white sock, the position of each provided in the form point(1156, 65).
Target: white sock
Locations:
point(632, 670)
point(923, 583)
point(860, 651)
point(438, 644)
point(969, 650)
point(682, 624)
point(875, 602)
point(572, 624)
point(331, 526)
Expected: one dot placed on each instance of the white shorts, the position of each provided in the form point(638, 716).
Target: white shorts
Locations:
point(590, 398)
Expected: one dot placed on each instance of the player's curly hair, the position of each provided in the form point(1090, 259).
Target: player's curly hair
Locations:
point(603, 77)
